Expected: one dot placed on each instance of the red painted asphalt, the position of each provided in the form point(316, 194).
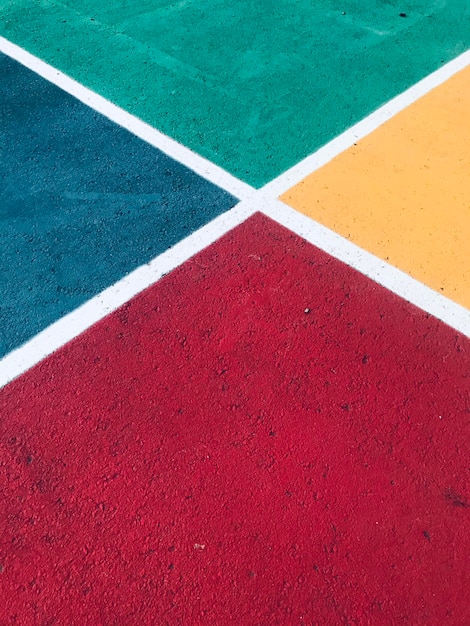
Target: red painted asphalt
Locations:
point(263, 437)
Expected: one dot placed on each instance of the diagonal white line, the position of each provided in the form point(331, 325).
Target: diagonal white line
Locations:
point(379, 271)
point(321, 157)
point(73, 324)
point(172, 148)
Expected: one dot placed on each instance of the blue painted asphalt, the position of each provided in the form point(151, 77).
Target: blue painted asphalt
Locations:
point(83, 203)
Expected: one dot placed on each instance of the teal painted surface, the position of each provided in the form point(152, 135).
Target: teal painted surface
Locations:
point(253, 86)
point(83, 203)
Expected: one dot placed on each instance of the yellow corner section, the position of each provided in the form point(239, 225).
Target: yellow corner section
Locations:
point(403, 192)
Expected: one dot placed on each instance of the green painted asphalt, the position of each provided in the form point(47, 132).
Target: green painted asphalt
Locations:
point(252, 86)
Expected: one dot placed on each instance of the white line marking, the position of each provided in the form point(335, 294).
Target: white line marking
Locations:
point(264, 200)
point(368, 264)
point(321, 157)
point(73, 324)
point(172, 148)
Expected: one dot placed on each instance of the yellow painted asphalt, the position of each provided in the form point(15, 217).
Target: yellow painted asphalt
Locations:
point(403, 192)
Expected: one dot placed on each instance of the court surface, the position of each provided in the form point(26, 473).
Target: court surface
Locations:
point(234, 313)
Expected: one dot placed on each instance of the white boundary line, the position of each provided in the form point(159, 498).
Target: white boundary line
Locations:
point(263, 200)
point(321, 157)
point(379, 271)
point(172, 148)
point(73, 324)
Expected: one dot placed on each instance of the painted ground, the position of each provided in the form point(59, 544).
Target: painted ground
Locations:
point(254, 87)
point(234, 367)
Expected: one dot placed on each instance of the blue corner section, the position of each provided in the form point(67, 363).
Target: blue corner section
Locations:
point(83, 203)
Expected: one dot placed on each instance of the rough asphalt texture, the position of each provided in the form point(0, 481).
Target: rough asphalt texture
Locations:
point(243, 443)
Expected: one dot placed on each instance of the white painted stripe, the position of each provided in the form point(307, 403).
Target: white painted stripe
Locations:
point(366, 263)
point(321, 157)
point(70, 326)
point(172, 148)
